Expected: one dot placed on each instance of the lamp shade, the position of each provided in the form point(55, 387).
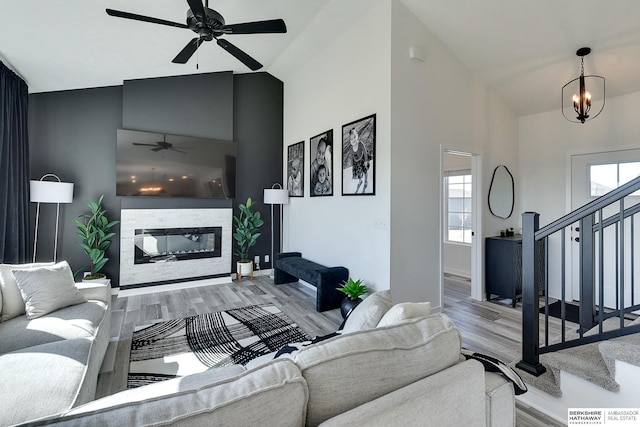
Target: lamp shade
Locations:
point(276, 196)
point(51, 192)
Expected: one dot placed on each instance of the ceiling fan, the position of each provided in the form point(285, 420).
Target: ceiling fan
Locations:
point(208, 25)
point(163, 145)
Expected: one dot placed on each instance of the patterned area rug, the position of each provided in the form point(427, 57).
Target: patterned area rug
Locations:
point(176, 348)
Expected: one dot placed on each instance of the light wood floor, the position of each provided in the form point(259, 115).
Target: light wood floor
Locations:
point(486, 327)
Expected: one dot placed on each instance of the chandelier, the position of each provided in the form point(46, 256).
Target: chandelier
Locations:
point(583, 103)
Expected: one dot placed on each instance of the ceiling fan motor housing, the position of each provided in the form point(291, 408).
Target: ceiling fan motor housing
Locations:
point(213, 22)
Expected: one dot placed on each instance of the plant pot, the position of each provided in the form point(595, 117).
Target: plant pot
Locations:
point(244, 268)
point(347, 305)
point(97, 278)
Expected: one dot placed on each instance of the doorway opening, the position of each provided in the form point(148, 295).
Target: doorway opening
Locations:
point(461, 218)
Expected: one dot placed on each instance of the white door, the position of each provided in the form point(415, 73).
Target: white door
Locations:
point(591, 176)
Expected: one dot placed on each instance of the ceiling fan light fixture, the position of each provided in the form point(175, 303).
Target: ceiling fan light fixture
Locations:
point(208, 25)
point(581, 101)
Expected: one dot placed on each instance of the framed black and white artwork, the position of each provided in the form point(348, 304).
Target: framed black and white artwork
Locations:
point(321, 168)
point(295, 169)
point(358, 157)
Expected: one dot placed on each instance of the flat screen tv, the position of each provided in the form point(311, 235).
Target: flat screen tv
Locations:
point(160, 165)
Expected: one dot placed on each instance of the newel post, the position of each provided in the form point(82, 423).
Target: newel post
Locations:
point(530, 290)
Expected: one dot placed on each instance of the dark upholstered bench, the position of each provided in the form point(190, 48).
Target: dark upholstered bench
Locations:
point(290, 267)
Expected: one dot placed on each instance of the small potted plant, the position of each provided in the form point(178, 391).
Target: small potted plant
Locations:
point(246, 235)
point(93, 229)
point(353, 290)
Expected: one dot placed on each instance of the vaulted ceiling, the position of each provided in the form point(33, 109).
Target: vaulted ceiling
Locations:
point(524, 51)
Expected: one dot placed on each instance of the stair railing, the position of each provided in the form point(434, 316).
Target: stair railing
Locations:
point(591, 227)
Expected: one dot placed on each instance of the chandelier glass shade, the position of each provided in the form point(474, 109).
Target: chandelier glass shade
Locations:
point(583, 98)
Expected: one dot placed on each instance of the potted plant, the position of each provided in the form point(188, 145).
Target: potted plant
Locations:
point(353, 290)
point(246, 235)
point(93, 228)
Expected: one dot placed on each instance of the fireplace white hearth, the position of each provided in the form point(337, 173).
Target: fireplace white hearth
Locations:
point(161, 246)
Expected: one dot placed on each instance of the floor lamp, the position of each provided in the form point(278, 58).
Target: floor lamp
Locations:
point(276, 195)
point(49, 192)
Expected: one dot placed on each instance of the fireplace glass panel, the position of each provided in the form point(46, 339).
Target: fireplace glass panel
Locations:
point(176, 244)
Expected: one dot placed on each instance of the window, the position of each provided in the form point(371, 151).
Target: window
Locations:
point(457, 185)
point(610, 176)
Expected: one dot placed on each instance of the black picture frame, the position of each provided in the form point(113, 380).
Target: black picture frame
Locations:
point(321, 158)
point(295, 169)
point(358, 167)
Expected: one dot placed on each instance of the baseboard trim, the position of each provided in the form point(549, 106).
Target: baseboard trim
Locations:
point(456, 272)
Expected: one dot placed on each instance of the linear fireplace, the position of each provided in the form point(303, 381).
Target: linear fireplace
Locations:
point(162, 246)
point(176, 244)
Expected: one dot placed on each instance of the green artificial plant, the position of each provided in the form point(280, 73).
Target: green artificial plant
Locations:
point(93, 229)
point(353, 289)
point(247, 225)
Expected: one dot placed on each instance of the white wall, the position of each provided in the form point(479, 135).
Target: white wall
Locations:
point(359, 66)
point(547, 141)
point(436, 104)
point(344, 75)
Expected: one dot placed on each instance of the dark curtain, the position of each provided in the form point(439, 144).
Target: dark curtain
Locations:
point(14, 168)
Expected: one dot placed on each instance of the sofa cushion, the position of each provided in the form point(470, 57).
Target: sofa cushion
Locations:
point(46, 289)
point(368, 313)
point(42, 380)
point(76, 321)
point(12, 302)
point(404, 311)
point(337, 370)
point(272, 394)
point(459, 389)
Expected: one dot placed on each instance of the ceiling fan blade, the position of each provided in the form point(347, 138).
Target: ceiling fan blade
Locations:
point(197, 8)
point(239, 54)
point(127, 15)
point(140, 143)
point(188, 50)
point(270, 26)
point(179, 151)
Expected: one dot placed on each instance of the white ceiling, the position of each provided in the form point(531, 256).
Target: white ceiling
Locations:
point(523, 50)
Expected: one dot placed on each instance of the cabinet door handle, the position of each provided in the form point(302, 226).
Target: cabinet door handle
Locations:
point(577, 239)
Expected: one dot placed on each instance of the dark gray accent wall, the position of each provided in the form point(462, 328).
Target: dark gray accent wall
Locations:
point(258, 129)
point(73, 134)
point(199, 105)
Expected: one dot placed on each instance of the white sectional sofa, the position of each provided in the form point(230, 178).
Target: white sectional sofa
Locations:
point(407, 371)
point(49, 363)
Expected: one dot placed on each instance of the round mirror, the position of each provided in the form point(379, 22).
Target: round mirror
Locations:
point(501, 193)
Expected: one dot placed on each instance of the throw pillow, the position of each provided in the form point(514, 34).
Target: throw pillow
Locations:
point(405, 311)
point(491, 364)
point(47, 289)
point(12, 302)
point(369, 312)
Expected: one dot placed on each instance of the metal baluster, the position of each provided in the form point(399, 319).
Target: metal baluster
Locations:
point(563, 280)
point(601, 272)
point(621, 263)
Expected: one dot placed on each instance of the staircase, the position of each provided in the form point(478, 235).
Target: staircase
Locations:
point(606, 337)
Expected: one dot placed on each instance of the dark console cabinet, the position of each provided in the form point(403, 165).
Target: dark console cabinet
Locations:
point(503, 267)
